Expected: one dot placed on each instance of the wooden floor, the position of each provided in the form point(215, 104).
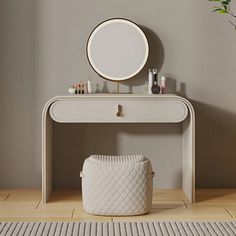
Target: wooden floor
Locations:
point(215, 204)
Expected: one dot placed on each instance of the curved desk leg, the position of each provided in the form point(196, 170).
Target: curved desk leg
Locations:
point(189, 156)
point(47, 156)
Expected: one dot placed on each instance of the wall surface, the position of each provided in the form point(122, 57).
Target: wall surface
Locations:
point(42, 51)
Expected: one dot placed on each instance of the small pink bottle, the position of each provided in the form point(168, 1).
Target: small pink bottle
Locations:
point(163, 85)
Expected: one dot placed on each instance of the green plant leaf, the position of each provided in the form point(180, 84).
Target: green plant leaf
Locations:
point(218, 9)
point(222, 11)
point(225, 3)
point(226, 7)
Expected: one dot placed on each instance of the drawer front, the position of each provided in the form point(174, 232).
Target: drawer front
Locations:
point(118, 111)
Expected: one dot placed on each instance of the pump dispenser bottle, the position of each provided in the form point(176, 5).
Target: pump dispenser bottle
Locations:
point(155, 86)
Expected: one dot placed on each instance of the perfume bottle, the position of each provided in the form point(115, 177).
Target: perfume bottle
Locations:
point(78, 88)
point(89, 87)
point(163, 85)
point(155, 86)
point(150, 81)
point(82, 88)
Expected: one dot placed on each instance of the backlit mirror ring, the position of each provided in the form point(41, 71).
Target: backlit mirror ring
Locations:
point(140, 34)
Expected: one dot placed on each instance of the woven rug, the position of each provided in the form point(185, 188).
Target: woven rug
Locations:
point(117, 228)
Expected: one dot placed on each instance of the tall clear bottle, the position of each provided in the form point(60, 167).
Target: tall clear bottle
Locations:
point(150, 81)
point(89, 87)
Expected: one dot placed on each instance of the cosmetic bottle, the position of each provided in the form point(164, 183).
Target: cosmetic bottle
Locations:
point(150, 81)
point(163, 85)
point(82, 88)
point(72, 89)
point(89, 86)
point(78, 88)
point(155, 86)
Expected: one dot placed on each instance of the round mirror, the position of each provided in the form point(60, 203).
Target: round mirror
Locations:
point(117, 49)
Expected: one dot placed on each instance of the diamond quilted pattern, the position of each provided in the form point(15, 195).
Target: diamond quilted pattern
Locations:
point(117, 188)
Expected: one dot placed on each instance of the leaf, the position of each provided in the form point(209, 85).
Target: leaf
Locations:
point(217, 9)
point(222, 12)
point(226, 7)
point(225, 3)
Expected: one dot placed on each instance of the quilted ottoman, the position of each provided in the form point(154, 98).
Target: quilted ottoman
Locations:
point(117, 185)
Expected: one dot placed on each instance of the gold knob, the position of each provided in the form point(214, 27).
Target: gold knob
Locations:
point(119, 112)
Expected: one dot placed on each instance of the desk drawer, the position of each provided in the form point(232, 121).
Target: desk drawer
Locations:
point(76, 111)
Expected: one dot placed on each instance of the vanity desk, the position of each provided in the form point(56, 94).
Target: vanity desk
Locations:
point(120, 108)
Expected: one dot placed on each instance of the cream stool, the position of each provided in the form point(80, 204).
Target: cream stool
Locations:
point(117, 185)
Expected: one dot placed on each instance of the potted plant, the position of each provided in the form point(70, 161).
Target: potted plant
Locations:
point(225, 7)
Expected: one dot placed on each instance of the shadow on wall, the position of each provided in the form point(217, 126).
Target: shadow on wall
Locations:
point(215, 147)
point(18, 166)
point(215, 142)
point(74, 142)
point(173, 87)
point(2, 85)
point(155, 58)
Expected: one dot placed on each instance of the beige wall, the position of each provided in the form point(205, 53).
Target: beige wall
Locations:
point(42, 51)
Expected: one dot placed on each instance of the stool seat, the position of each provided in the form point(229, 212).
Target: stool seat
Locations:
point(117, 185)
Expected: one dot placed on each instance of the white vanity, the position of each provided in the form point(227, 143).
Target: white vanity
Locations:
point(120, 108)
point(117, 50)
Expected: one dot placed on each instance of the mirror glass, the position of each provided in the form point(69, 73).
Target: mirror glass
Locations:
point(117, 49)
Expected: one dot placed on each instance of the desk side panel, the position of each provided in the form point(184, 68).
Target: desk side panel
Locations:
point(188, 159)
point(47, 169)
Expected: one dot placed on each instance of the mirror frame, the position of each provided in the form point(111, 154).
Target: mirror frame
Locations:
point(99, 26)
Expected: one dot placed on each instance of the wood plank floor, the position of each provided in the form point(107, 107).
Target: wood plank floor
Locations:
point(211, 204)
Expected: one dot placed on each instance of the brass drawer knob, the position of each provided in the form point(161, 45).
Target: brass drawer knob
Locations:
point(119, 112)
